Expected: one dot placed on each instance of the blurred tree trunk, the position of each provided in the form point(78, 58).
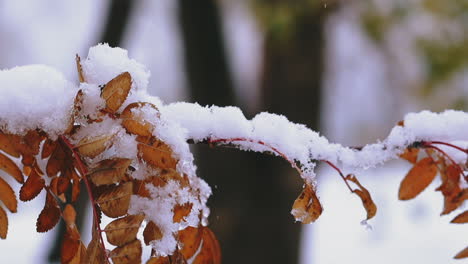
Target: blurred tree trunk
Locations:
point(117, 19)
point(252, 195)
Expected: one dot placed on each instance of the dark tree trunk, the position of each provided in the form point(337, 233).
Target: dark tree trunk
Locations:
point(117, 20)
point(252, 193)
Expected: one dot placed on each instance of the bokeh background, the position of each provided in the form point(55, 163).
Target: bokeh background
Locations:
point(350, 69)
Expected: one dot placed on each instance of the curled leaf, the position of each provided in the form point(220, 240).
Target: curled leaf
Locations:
point(95, 252)
point(109, 171)
point(114, 202)
point(48, 148)
point(410, 154)
point(123, 230)
point(417, 179)
point(49, 215)
point(210, 251)
point(69, 215)
point(8, 166)
point(127, 254)
point(91, 147)
point(461, 218)
point(307, 207)
point(151, 232)
point(3, 224)
point(365, 196)
point(134, 123)
point(70, 246)
point(32, 187)
point(7, 196)
point(79, 69)
point(450, 181)
point(116, 91)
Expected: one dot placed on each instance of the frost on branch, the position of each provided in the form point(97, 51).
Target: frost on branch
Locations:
point(131, 151)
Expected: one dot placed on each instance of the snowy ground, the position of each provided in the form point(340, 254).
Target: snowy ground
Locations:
point(402, 232)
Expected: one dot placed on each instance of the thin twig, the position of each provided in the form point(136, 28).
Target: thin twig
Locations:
point(340, 173)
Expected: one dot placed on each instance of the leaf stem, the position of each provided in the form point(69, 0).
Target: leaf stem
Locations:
point(84, 172)
point(426, 143)
point(340, 173)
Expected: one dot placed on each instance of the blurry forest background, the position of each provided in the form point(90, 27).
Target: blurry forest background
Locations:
point(349, 69)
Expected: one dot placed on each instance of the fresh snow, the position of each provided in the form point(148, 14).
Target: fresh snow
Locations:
point(39, 97)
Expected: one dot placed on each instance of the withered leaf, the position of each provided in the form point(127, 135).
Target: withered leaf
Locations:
point(151, 232)
point(159, 260)
point(450, 181)
point(181, 211)
point(69, 215)
point(79, 69)
point(32, 187)
point(109, 171)
point(49, 215)
point(31, 143)
point(190, 238)
point(95, 252)
point(129, 253)
point(56, 161)
point(169, 175)
point(48, 148)
point(461, 218)
point(3, 224)
point(462, 254)
point(307, 207)
point(7, 165)
point(91, 147)
point(116, 91)
point(7, 196)
point(114, 202)
point(134, 123)
point(365, 196)
point(417, 179)
point(70, 246)
point(410, 154)
point(210, 251)
point(157, 154)
point(123, 230)
point(7, 145)
point(452, 202)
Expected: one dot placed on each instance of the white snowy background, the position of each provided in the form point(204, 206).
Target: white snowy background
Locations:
point(358, 104)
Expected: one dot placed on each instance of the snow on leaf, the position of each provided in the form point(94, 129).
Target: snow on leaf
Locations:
point(93, 146)
point(190, 239)
point(3, 224)
point(123, 230)
point(32, 187)
point(135, 123)
point(307, 207)
point(410, 154)
point(417, 179)
point(115, 200)
point(7, 196)
point(210, 251)
point(116, 91)
point(8, 166)
point(49, 215)
point(181, 211)
point(129, 253)
point(157, 154)
point(151, 232)
point(109, 171)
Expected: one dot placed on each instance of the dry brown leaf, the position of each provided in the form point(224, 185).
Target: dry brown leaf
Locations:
point(139, 188)
point(157, 154)
point(69, 214)
point(114, 202)
point(109, 171)
point(94, 252)
point(49, 215)
point(462, 254)
point(307, 207)
point(123, 230)
point(48, 148)
point(181, 211)
point(134, 123)
point(453, 201)
point(417, 179)
point(8, 146)
point(210, 252)
point(79, 69)
point(159, 260)
point(190, 238)
point(80, 257)
point(91, 147)
point(129, 253)
point(365, 196)
point(7, 196)
point(32, 187)
point(461, 218)
point(116, 91)
point(70, 246)
point(151, 232)
point(3, 224)
point(410, 154)
point(75, 185)
point(450, 181)
point(56, 161)
point(8, 166)
point(31, 143)
point(170, 175)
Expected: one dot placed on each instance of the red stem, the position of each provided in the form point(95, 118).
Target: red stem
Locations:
point(84, 172)
point(429, 143)
point(339, 172)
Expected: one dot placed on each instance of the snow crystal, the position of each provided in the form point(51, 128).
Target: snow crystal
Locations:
point(35, 96)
